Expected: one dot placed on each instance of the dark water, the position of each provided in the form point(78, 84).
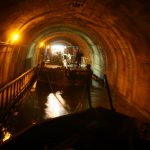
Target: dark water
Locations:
point(41, 103)
point(45, 102)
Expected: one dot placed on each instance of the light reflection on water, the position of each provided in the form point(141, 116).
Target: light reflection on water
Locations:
point(42, 103)
point(5, 135)
point(55, 106)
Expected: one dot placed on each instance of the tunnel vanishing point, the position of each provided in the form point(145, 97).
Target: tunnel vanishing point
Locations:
point(114, 35)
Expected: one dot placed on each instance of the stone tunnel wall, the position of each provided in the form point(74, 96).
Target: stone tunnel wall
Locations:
point(121, 29)
point(12, 63)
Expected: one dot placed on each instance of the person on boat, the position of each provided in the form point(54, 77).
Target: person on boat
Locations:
point(78, 59)
point(42, 64)
point(90, 73)
point(65, 63)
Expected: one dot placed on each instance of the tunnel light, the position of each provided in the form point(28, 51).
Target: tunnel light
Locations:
point(15, 37)
point(41, 44)
point(7, 135)
point(48, 46)
point(58, 48)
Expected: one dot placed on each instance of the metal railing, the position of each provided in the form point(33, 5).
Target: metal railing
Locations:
point(109, 93)
point(9, 93)
point(104, 83)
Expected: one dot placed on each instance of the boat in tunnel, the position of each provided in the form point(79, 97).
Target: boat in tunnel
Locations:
point(78, 124)
point(66, 67)
point(74, 74)
point(81, 127)
point(91, 129)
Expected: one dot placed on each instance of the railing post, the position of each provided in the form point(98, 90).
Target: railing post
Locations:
point(89, 95)
point(2, 103)
point(109, 94)
point(10, 93)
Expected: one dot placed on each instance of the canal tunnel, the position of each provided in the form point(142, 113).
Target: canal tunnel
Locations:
point(113, 35)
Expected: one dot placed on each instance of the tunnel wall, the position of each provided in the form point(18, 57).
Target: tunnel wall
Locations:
point(12, 62)
point(142, 79)
point(127, 59)
point(121, 30)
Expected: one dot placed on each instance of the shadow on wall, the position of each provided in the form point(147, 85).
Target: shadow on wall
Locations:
point(28, 63)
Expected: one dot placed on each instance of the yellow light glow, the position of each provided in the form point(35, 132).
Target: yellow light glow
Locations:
point(41, 44)
point(7, 136)
point(15, 37)
point(48, 46)
point(34, 85)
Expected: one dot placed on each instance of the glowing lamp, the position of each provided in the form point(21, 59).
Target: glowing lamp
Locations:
point(15, 38)
point(41, 44)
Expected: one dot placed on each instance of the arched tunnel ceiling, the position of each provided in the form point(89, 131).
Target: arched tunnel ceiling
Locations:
point(103, 20)
point(72, 36)
point(69, 37)
point(33, 16)
point(63, 36)
point(116, 31)
point(99, 19)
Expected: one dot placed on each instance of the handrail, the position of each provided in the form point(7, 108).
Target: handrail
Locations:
point(104, 82)
point(11, 91)
point(11, 44)
point(21, 76)
point(89, 94)
point(108, 92)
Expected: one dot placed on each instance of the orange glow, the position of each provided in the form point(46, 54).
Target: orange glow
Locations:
point(41, 44)
point(15, 37)
point(48, 46)
point(34, 85)
point(7, 135)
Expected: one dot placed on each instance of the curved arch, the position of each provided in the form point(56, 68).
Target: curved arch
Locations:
point(97, 62)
